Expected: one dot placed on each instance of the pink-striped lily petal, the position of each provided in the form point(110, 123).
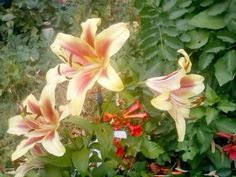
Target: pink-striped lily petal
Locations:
point(18, 126)
point(191, 85)
point(53, 145)
point(47, 104)
point(60, 73)
point(77, 89)
point(110, 79)
point(72, 50)
point(169, 82)
point(25, 146)
point(89, 30)
point(179, 123)
point(162, 101)
point(110, 40)
point(31, 104)
point(27, 166)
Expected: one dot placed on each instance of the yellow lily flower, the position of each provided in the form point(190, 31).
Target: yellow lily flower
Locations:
point(175, 92)
point(87, 60)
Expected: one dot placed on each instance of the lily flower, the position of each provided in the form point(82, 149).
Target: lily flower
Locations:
point(87, 60)
point(38, 123)
point(175, 92)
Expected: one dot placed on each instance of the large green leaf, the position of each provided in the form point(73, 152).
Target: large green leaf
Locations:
point(226, 106)
point(227, 36)
point(104, 133)
point(203, 20)
point(226, 125)
point(211, 114)
point(224, 68)
point(80, 160)
point(151, 149)
point(177, 13)
point(219, 159)
point(198, 39)
point(205, 59)
point(218, 8)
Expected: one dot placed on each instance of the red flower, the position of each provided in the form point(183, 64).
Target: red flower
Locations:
point(119, 148)
point(230, 149)
point(135, 130)
point(224, 135)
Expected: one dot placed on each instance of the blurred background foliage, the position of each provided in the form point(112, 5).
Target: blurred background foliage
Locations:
point(206, 29)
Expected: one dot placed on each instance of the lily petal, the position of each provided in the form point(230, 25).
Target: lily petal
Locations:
point(25, 146)
point(59, 74)
point(77, 89)
point(162, 102)
point(191, 85)
point(89, 30)
point(53, 145)
point(18, 126)
point(169, 82)
point(179, 123)
point(110, 79)
point(72, 50)
point(184, 61)
point(31, 104)
point(47, 104)
point(110, 40)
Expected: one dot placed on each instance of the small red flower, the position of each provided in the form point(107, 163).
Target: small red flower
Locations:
point(230, 149)
point(134, 107)
point(135, 130)
point(119, 151)
point(224, 135)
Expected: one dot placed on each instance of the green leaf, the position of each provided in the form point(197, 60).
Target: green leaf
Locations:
point(198, 39)
point(80, 160)
point(173, 42)
point(177, 13)
point(211, 114)
point(211, 96)
point(214, 46)
point(227, 36)
point(226, 125)
point(206, 3)
point(186, 3)
point(203, 20)
point(185, 37)
point(205, 139)
point(230, 58)
point(105, 136)
point(8, 17)
point(220, 160)
point(81, 123)
point(167, 5)
point(52, 171)
point(226, 106)
point(218, 8)
point(223, 75)
point(105, 168)
point(151, 149)
point(63, 161)
point(204, 60)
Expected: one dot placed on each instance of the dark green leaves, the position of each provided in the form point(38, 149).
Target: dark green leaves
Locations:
point(151, 149)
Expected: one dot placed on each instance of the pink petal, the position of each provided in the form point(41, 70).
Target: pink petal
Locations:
point(53, 145)
point(31, 104)
point(89, 30)
point(60, 73)
point(191, 85)
point(72, 50)
point(18, 126)
point(25, 146)
point(110, 40)
point(110, 79)
point(166, 83)
point(47, 104)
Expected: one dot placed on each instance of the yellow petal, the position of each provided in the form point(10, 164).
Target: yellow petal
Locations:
point(179, 123)
point(110, 40)
point(89, 30)
point(185, 62)
point(110, 79)
point(162, 102)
